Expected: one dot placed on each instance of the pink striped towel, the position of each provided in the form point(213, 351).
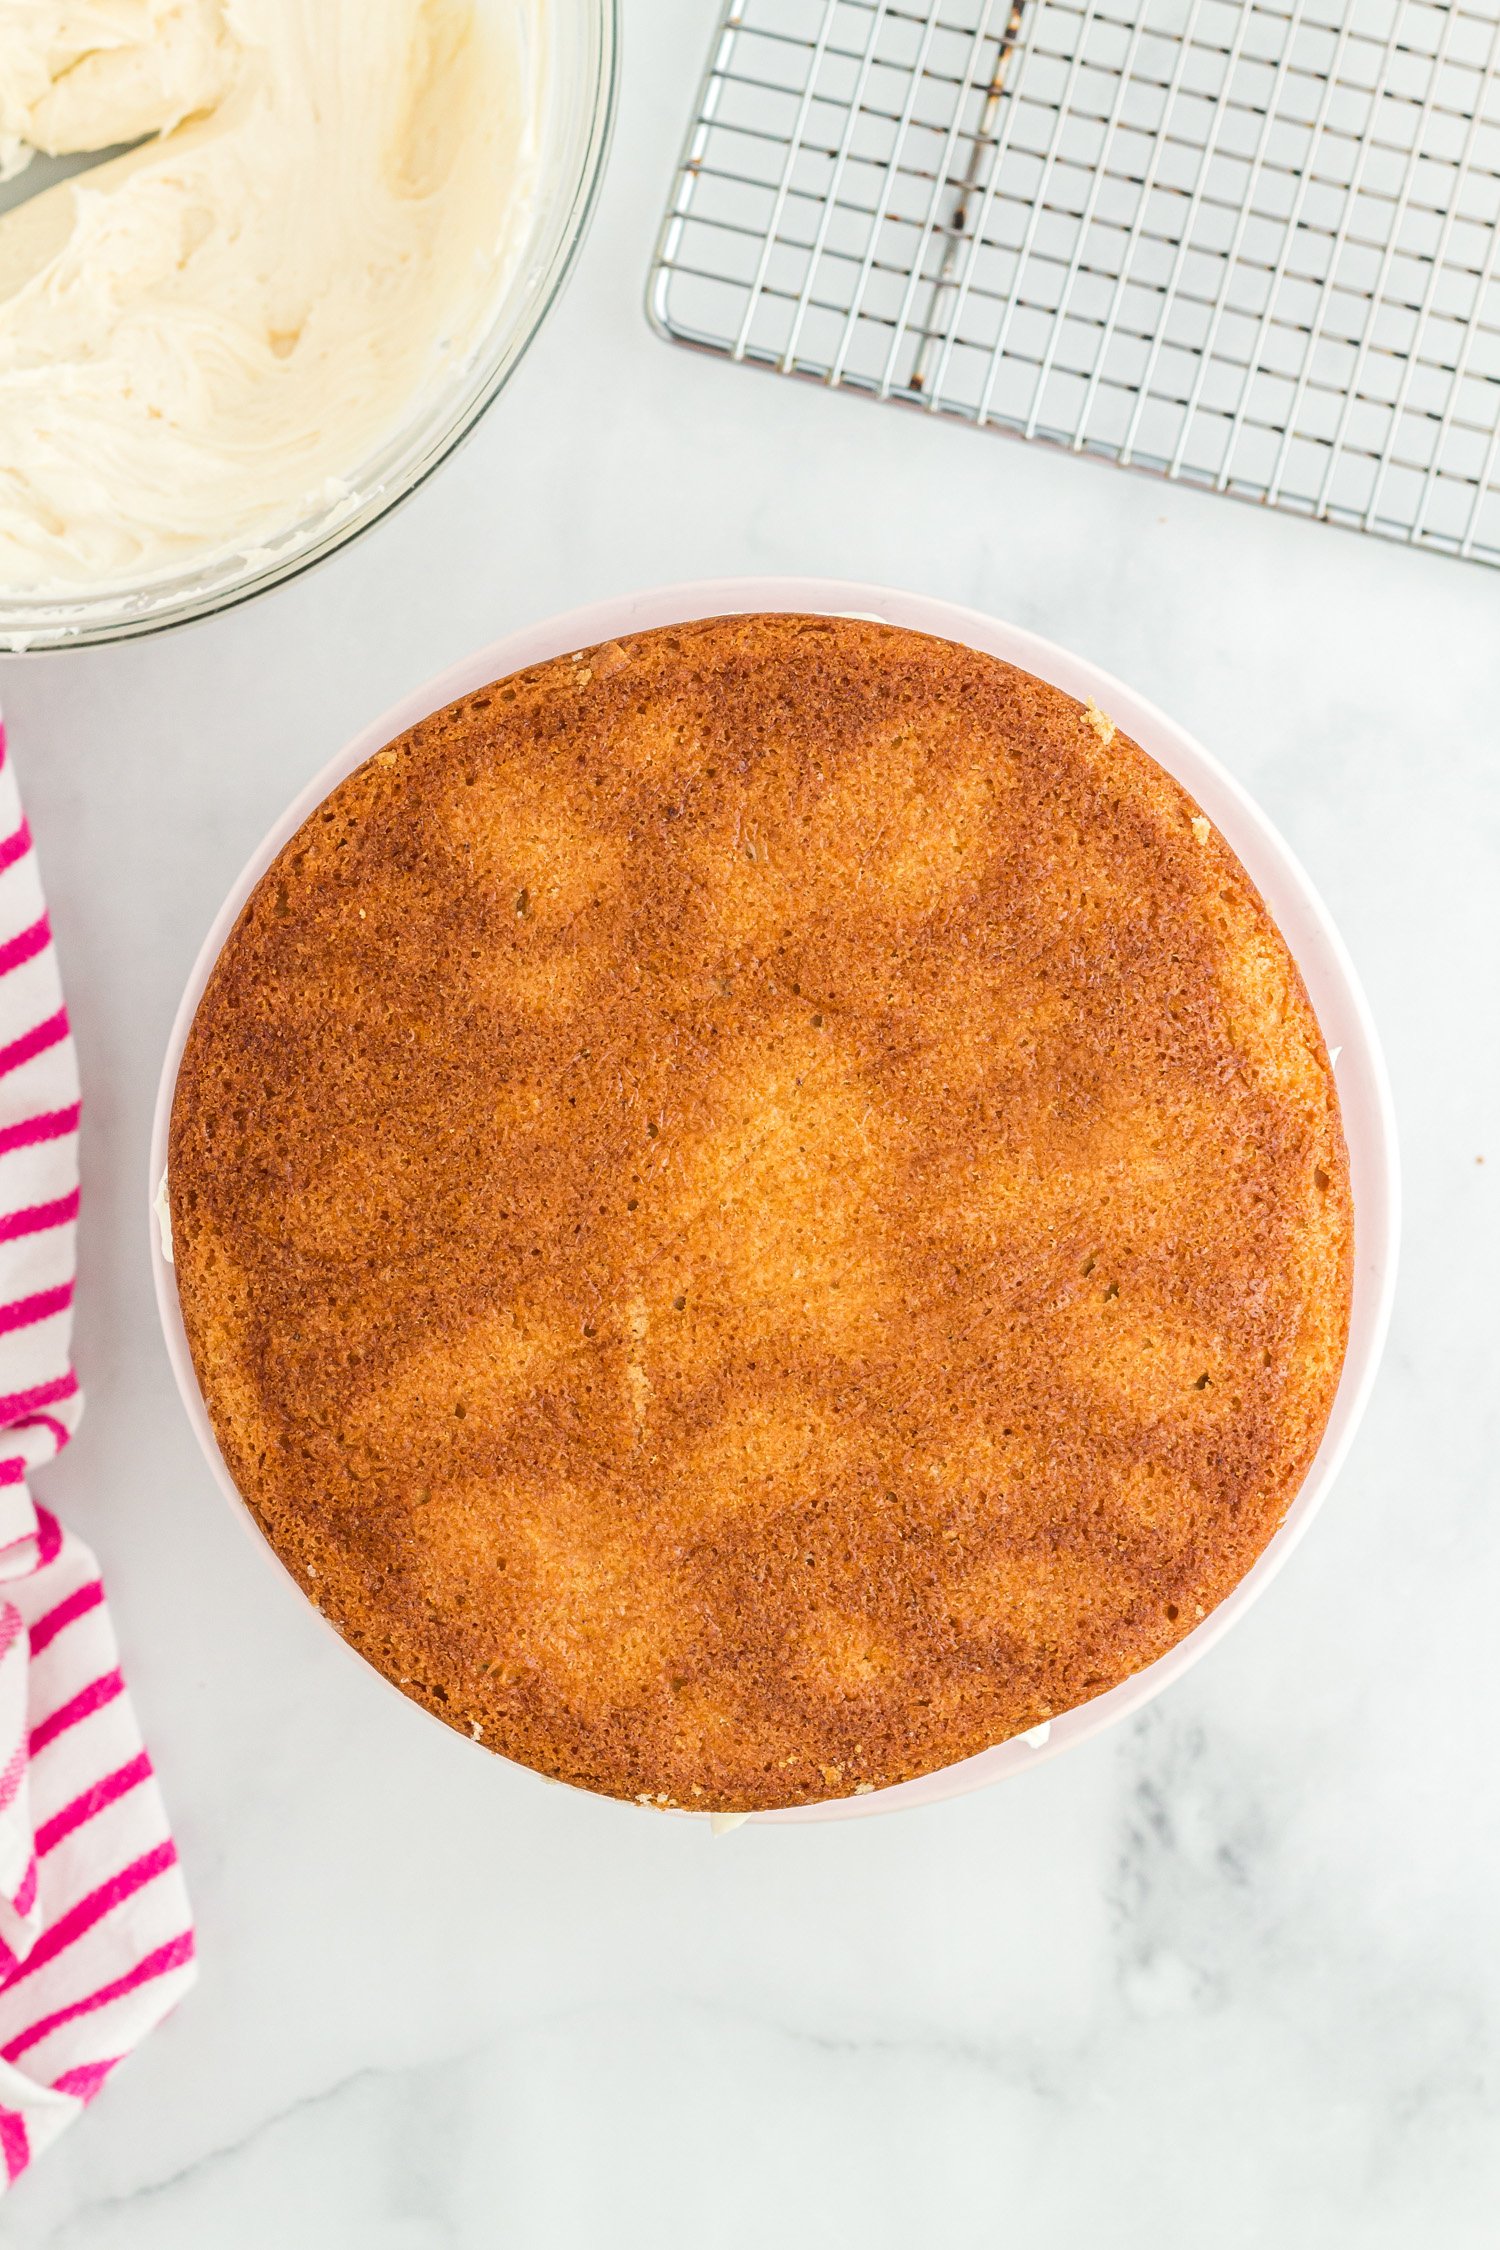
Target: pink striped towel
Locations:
point(96, 1942)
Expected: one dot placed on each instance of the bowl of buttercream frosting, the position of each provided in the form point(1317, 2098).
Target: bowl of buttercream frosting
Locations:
point(262, 264)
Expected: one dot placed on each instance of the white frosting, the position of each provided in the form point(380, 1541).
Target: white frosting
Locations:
point(201, 340)
point(163, 1209)
point(68, 67)
point(723, 1822)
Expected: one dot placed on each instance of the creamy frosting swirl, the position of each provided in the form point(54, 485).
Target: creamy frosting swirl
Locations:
point(203, 338)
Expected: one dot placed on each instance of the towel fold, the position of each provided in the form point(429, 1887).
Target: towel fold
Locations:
point(96, 1940)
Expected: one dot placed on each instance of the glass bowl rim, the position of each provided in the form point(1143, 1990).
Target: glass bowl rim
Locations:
point(52, 633)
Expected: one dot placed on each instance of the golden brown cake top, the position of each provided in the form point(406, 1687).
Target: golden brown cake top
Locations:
point(760, 1209)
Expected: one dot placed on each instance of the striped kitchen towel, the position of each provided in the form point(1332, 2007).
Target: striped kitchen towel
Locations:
point(96, 1941)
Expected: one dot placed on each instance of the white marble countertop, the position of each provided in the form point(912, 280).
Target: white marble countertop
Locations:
point(1228, 1975)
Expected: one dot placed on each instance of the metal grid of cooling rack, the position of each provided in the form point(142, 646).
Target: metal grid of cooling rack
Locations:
point(1251, 244)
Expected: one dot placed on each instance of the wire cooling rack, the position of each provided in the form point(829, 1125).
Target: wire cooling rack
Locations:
point(1253, 246)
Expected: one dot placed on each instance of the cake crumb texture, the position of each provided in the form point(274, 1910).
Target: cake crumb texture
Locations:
point(761, 1209)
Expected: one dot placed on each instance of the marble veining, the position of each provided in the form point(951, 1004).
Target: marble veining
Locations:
point(1224, 1977)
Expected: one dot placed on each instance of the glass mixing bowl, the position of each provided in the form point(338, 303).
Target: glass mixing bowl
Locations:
point(583, 43)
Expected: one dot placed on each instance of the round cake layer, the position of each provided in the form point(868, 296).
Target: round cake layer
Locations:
point(760, 1209)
